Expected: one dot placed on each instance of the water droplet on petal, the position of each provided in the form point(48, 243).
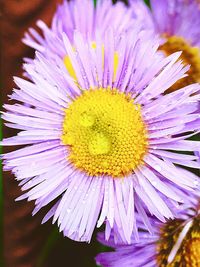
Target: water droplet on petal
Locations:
point(158, 168)
point(68, 210)
point(148, 96)
point(154, 183)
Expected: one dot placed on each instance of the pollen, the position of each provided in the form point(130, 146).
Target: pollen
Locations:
point(190, 56)
point(72, 73)
point(105, 133)
point(189, 249)
point(69, 67)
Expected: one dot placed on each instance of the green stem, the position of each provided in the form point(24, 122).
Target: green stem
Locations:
point(48, 246)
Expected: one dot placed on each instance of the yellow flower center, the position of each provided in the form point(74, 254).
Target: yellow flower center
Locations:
point(190, 56)
point(188, 254)
point(192, 252)
point(105, 133)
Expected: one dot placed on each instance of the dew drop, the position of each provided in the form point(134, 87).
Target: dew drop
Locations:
point(158, 168)
point(68, 210)
point(177, 205)
point(148, 95)
point(154, 183)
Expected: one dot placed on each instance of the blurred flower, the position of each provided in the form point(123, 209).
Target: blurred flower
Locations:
point(104, 142)
point(178, 23)
point(141, 13)
point(180, 18)
point(174, 243)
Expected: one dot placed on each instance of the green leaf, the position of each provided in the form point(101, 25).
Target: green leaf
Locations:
point(147, 2)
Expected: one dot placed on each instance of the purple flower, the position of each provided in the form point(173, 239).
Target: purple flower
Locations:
point(174, 243)
point(178, 23)
point(142, 14)
point(177, 17)
point(198, 154)
point(102, 143)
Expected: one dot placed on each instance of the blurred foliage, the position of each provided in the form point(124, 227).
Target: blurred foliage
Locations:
point(49, 245)
point(147, 2)
point(58, 249)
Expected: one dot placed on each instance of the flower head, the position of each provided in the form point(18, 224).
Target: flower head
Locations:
point(103, 143)
point(178, 22)
point(174, 243)
point(177, 18)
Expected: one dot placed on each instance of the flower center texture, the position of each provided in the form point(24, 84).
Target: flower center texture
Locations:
point(105, 133)
point(190, 56)
point(189, 250)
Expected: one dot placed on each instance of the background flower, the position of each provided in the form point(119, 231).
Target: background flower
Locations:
point(177, 22)
point(174, 243)
point(180, 18)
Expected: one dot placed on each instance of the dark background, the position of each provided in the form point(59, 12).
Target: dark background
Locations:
point(27, 243)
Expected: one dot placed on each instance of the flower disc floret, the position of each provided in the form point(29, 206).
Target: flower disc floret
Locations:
point(190, 56)
point(105, 133)
point(188, 253)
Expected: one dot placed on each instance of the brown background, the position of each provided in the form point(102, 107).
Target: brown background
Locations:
point(24, 239)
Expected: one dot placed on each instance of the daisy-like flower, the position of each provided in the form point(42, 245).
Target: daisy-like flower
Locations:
point(178, 23)
point(104, 145)
point(174, 243)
